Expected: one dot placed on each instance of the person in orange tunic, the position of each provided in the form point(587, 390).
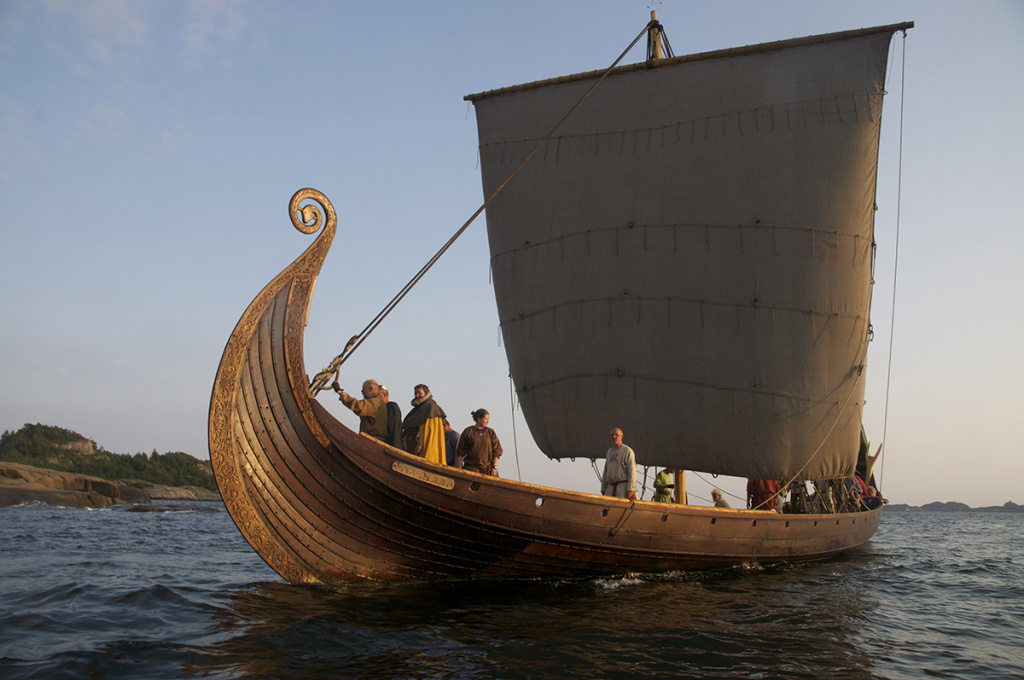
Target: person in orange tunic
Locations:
point(762, 494)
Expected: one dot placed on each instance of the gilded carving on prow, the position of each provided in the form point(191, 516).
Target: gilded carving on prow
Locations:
point(225, 431)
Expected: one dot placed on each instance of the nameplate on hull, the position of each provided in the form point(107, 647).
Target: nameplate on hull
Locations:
point(424, 476)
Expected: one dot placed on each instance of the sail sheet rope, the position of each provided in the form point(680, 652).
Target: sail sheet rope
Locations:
point(515, 439)
point(320, 382)
point(796, 476)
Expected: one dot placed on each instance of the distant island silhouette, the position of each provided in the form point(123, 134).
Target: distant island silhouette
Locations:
point(939, 506)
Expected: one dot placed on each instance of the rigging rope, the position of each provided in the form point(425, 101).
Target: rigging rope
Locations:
point(896, 251)
point(320, 382)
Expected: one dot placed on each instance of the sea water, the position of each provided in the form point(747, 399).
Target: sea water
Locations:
point(177, 592)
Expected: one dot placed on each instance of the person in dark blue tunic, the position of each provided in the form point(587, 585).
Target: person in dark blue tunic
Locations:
point(394, 419)
point(451, 444)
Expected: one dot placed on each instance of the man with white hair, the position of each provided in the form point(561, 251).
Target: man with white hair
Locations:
point(373, 418)
point(720, 502)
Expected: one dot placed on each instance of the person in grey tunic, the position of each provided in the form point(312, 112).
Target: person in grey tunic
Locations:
point(619, 478)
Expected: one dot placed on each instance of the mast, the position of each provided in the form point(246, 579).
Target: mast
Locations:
point(654, 54)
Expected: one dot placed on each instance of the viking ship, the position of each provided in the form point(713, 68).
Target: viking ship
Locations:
point(682, 247)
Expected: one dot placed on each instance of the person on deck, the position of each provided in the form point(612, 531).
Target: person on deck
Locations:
point(872, 500)
point(720, 502)
point(619, 476)
point(394, 418)
point(663, 485)
point(370, 409)
point(479, 448)
point(423, 428)
point(762, 494)
point(451, 445)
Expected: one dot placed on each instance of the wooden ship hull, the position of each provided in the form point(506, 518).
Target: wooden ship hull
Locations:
point(325, 505)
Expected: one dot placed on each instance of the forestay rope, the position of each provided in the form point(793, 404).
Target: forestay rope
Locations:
point(324, 377)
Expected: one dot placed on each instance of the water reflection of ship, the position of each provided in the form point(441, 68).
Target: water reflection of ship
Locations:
point(689, 258)
point(726, 624)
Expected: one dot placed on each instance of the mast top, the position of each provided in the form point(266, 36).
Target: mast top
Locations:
point(654, 52)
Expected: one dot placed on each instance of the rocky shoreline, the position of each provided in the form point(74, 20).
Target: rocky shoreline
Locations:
point(26, 484)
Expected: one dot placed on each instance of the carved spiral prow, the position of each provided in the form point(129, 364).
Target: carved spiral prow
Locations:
point(312, 214)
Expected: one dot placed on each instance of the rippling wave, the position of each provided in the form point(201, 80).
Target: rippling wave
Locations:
point(178, 593)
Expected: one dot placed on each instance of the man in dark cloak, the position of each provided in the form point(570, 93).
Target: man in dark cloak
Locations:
point(394, 419)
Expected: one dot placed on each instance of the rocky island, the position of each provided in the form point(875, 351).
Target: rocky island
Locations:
point(54, 466)
point(26, 484)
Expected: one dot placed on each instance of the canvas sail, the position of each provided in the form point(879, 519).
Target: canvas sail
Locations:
point(690, 257)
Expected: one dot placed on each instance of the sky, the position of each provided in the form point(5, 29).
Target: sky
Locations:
point(148, 151)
